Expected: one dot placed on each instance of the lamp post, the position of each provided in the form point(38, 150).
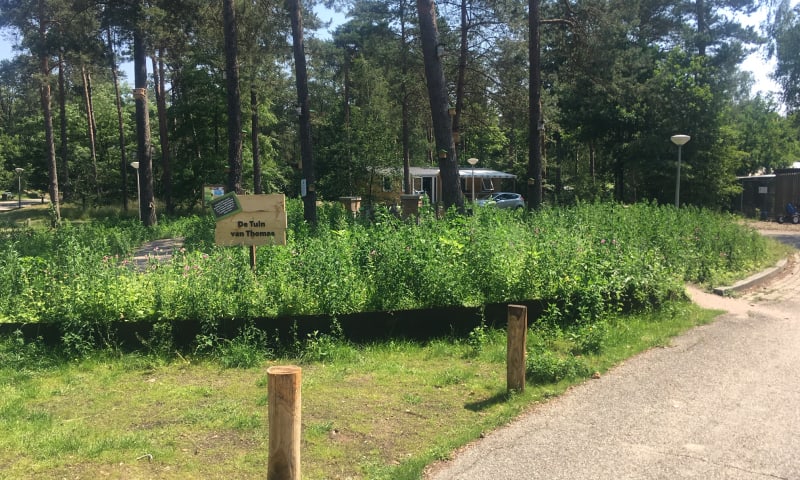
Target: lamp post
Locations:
point(680, 141)
point(135, 166)
point(19, 186)
point(473, 161)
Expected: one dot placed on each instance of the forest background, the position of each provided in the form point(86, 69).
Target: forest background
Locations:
point(618, 78)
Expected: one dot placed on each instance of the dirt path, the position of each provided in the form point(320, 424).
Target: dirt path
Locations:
point(156, 251)
point(780, 295)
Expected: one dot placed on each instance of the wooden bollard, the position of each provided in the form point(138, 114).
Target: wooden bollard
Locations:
point(284, 422)
point(516, 347)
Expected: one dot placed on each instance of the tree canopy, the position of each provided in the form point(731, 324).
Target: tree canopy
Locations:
point(616, 79)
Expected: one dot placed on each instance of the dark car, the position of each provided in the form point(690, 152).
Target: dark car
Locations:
point(503, 200)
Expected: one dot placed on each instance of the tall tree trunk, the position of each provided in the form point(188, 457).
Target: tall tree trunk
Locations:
point(147, 203)
point(257, 185)
point(301, 80)
point(619, 180)
point(159, 84)
point(234, 99)
point(535, 106)
point(87, 99)
point(463, 53)
point(437, 94)
point(123, 162)
point(47, 114)
point(62, 108)
point(408, 188)
point(559, 187)
point(348, 131)
point(702, 27)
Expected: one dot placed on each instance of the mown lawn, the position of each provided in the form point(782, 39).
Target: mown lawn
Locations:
point(383, 410)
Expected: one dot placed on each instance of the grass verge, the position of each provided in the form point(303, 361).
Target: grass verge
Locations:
point(377, 411)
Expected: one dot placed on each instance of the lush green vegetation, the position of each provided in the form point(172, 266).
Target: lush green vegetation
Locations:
point(586, 261)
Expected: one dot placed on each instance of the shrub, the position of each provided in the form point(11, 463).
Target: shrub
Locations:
point(550, 367)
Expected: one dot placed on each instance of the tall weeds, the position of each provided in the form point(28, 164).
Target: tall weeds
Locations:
point(586, 261)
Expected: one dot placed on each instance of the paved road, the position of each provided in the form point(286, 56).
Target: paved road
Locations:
point(721, 402)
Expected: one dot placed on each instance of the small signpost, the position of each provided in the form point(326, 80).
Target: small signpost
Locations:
point(250, 220)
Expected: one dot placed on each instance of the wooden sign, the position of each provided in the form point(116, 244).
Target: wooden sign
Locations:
point(261, 221)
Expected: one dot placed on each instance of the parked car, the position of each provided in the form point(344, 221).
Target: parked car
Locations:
point(503, 200)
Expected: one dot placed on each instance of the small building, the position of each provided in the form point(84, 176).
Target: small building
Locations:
point(787, 188)
point(427, 181)
point(766, 196)
point(757, 198)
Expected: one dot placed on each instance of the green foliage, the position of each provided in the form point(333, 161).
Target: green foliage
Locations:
point(477, 340)
point(246, 350)
point(785, 41)
point(586, 262)
point(20, 355)
point(550, 367)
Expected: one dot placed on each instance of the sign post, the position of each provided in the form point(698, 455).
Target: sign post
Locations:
point(250, 220)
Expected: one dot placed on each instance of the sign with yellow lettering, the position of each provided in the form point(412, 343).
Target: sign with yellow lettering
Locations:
point(261, 221)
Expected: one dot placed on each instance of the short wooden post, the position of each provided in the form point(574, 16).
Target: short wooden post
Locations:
point(284, 422)
point(516, 347)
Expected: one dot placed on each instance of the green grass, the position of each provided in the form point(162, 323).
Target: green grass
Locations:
point(377, 411)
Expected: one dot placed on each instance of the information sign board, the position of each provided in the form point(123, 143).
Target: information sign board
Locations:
point(226, 205)
point(261, 221)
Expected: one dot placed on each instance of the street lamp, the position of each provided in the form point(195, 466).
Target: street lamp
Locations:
point(680, 141)
point(473, 161)
point(135, 166)
point(19, 186)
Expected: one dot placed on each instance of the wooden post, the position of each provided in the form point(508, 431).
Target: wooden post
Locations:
point(284, 422)
point(516, 347)
point(253, 258)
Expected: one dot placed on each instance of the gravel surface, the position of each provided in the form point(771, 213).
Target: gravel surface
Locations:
point(720, 402)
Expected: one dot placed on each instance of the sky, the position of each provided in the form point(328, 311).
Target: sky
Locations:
point(754, 63)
